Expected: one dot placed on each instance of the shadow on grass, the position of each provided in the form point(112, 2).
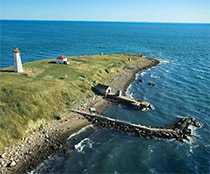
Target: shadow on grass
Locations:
point(52, 62)
point(7, 70)
point(93, 88)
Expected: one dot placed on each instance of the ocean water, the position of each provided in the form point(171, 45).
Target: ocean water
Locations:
point(182, 89)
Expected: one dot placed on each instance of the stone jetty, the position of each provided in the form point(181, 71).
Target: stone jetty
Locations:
point(136, 104)
point(180, 130)
point(118, 97)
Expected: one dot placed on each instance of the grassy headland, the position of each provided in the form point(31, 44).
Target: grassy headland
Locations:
point(47, 90)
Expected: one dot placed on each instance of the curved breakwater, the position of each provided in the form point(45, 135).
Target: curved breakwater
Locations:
point(180, 130)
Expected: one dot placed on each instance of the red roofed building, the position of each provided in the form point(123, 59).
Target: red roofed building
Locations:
point(62, 60)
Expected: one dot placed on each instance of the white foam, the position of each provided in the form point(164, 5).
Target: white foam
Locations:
point(131, 95)
point(164, 61)
point(154, 76)
point(143, 73)
point(128, 91)
point(82, 144)
point(137, 75)
point(191, 139)
point(80, 131)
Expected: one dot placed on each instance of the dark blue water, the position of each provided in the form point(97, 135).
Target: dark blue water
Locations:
point(182, 88)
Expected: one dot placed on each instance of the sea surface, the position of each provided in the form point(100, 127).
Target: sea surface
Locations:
point(182, 88)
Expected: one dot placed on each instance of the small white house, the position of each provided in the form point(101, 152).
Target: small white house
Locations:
point(62, 60)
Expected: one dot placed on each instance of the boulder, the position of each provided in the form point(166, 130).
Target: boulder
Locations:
point(151, 83)
point(11, 164)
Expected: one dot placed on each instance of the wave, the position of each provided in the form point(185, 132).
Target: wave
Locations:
point(82, 144)
point(143, 73)
point(80, 131)
point(164, 61)
point(154, 76)
point(131, 95)
point(128, 91)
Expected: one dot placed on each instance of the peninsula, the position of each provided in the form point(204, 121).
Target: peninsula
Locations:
point(35, 117)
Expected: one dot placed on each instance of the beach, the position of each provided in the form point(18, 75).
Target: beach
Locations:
point(51, 137)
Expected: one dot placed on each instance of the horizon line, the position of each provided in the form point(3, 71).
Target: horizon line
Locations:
point(113, 21)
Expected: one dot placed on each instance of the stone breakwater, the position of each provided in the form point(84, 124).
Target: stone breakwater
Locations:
point(180, 130)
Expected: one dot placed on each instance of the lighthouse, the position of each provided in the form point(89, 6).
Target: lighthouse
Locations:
point(17, 61)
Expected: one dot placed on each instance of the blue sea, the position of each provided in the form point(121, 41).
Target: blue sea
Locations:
point(182, 89)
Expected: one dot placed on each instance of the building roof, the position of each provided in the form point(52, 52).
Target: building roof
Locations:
point(61, 57)
point(102, 86)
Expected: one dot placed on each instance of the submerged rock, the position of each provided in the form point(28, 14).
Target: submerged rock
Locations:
point(151, 83)
point(140, 80)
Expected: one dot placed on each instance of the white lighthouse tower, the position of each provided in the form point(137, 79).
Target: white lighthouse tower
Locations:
point(17, 61)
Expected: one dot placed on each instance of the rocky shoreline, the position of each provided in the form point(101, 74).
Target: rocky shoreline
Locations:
point(48, 139)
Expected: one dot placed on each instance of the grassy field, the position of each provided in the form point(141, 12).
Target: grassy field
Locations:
point(47, 90)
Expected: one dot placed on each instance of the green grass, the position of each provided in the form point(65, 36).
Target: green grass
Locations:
point(47, 90)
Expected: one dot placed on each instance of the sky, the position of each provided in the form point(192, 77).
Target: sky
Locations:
point(193, 11)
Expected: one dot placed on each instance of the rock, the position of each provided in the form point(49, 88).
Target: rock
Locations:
point(11, 164)
point(2, 163)
point(3, 155)
point(151, 83)
point(140, 80)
